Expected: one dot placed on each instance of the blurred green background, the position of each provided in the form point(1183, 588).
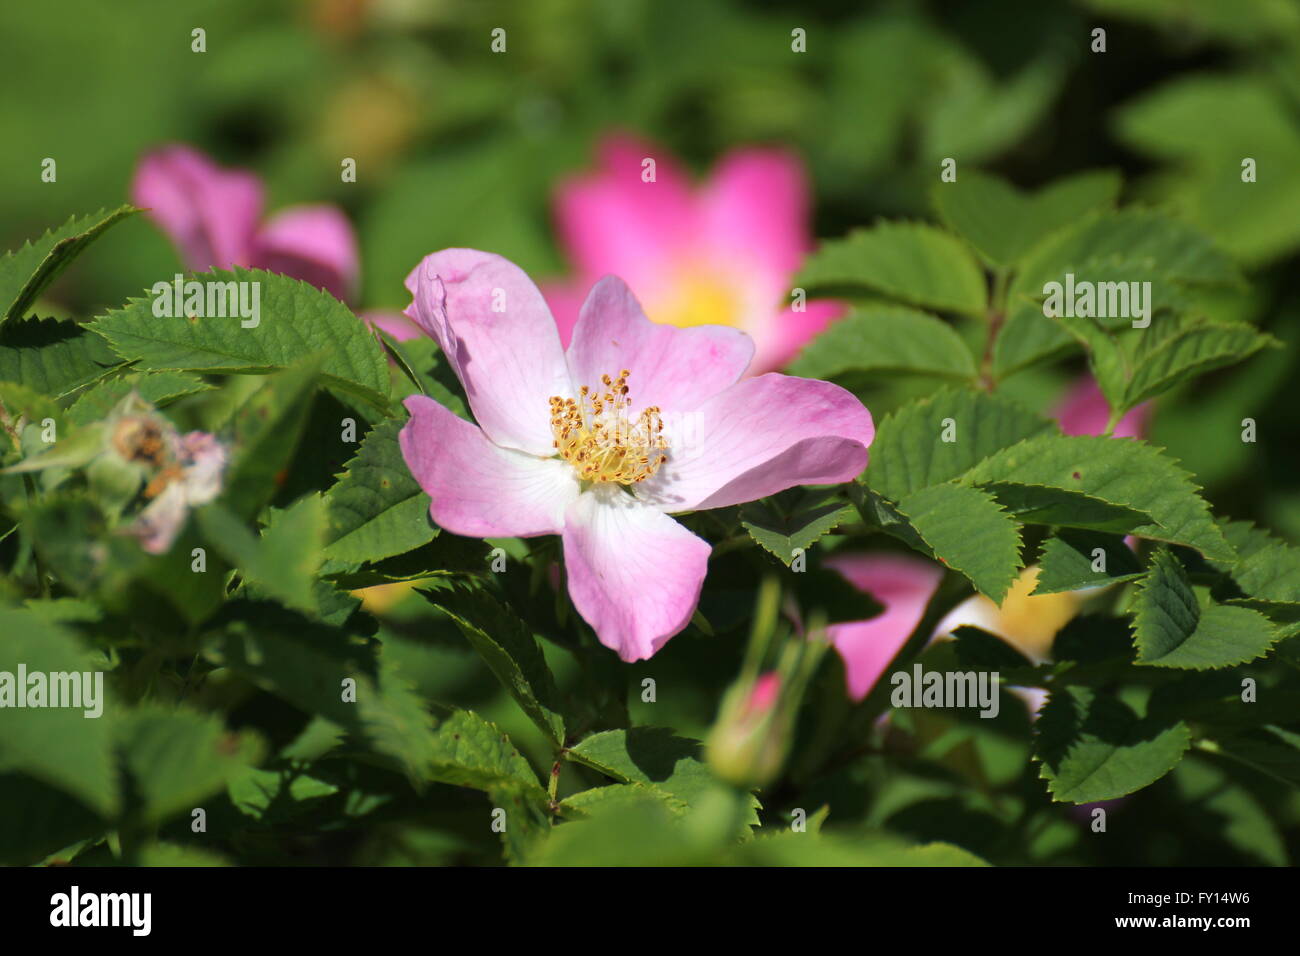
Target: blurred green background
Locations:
point(456, 145)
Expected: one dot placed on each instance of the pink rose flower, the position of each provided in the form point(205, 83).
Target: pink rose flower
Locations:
point(721, 254)
point(214, 217)
point(601, 443)
point(903, 586)
point(1084, 411)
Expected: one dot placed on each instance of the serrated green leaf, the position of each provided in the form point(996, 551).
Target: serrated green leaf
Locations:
point(157, 388)
point(508, 647)
point(176, 758)
point(1132, 245)
point(912, 262)
point(297, 321)
point(783, 532)
point(1093, 747)
point(1123, 472)
point(1003, 223)
point(1192, 351)
point(886, 339)
point(1069, 557)
point(26, 272)
point(1171, 629)
point(376, 509)
point(471, 752)
point(910, 451)
point(653, 756)
point(969, 533)
point(52, 357)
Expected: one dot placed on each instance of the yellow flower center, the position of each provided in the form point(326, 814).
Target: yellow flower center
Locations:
point(1030, 622)
point(597, 434)
point(697, 297)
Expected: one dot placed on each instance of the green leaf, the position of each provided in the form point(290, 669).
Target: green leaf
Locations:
point(1093, 747)
point(297, 321)
point(25, 273)
point(909, 451)
point(1132, 245)
point(1272, 750)
point(652, 756)
point(59, 746)
point(1193, 350)
point(52, 357)
point(508, 647)
point(784, 531)
point(267, 430)
point(471, 752)
point(886, 339)
point(376, 509)
point(1171, 629)
point(176, 758)
point(1068, 558)
point(1123, 472)
point(1003, 222)
point(157, 388)
point(969, 532)
point(282, 561)
point(914, 263)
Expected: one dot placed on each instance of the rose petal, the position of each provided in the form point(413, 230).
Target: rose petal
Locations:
point(314, 243)
point(634, 573)
point(612, 221)
point(903, 586)
point(1085, 411)
point(780, 339)
point(755, 206)
point(500, 339)
point(760, 436)
point(477, 488)
point(210, 213)
point(673, 368)
point(394, 323)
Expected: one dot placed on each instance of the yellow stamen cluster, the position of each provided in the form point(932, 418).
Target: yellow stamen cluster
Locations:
point(597, 434)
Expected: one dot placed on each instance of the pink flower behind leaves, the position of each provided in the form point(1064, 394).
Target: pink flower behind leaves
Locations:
point(601, 442)
point(903, 586)
point(200, 461)
point(1084, 411)
point(214, 217)
point(724, 253)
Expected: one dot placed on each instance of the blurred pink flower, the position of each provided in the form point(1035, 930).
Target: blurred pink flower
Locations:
point(724, 253)
point(195, 479)
point(214, 216)
point(1084, 411)
point(600, 443)
point(903, 586)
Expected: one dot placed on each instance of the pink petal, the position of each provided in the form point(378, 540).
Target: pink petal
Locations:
point(903, 586)
point(565, 300)
point(478, 489)
point(394, 323)
point(313, 243)
point(760, 436)
point(756, 207)
point(1084, 411)
point(673, 368)
point(634, 573)
point(510, 361)
point(780, 340)
point(611, 221)
point(210, 213)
